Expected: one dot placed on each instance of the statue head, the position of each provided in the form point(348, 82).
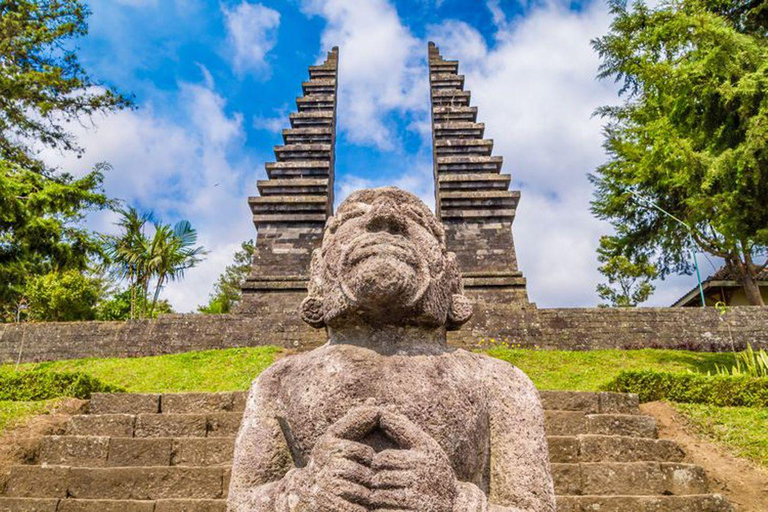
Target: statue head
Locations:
point(383, 261)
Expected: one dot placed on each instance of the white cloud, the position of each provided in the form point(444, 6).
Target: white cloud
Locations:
point(252, 34)
point(185, 168)
point(382, 67)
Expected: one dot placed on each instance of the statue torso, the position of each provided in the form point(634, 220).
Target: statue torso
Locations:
point(444, 394)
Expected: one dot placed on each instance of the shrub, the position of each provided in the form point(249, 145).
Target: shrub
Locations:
point(44, 385)
point(694, 388)
point(748, 363)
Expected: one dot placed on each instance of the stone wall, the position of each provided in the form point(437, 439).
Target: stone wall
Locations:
point(570, 329)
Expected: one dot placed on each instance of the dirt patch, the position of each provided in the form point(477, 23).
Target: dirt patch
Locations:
point(744, 483)
point(20, 444)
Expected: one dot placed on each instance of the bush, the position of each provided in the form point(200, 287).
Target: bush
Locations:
point(693, 388)
point(44, 385)
point(63, 296)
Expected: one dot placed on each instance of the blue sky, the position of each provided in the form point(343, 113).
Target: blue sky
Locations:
point(214, 82)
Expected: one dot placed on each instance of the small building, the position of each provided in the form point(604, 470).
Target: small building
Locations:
point(722, 286)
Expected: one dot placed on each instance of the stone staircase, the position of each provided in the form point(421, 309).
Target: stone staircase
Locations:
point(172, 453)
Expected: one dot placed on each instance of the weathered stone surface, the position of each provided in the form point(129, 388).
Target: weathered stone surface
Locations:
point(145, 483)
point(198, 403)
point(114, 425)
point(211, 451)
point(139, 452)
point(124, 403)
point(223, 424)
point(570, 401)
point(74, 450)
point(621, 424)
point(628, 449)
point(171, 425)
point(73, 505)
point(619, 403)
point(563, 449)
point(37, 482)
point(322, 428)
point(190, 506)
point(28, 504)
point(707, 503)
point(561, 423)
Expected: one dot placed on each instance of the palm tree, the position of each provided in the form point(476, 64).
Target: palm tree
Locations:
point(171, 252)
point(126, 251)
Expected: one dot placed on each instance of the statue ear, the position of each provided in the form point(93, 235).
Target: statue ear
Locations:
point(311, 311)
point(459, 312)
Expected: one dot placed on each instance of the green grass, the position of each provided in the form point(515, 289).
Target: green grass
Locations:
point(589, 371)
point(742, 430)
point(212, 370)
point(12, 413)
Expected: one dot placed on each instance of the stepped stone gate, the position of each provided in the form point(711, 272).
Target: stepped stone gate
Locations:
point(471, 195)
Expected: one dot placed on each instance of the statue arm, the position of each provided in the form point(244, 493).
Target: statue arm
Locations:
point(262, 467)
point(520, 477)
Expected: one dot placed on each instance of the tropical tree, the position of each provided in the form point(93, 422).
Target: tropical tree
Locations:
point(629, 281)
point(227, 291)
point(63, 296)
point(688, 166)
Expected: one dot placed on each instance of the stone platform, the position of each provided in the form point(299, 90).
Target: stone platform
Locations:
point(173, 452)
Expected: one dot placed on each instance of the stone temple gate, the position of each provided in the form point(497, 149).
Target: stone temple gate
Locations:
point(472, 196)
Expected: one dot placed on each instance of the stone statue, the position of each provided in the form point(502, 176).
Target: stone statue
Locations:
point(386, 416)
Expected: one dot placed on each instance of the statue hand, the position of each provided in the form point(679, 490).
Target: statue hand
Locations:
point(417, 477)
point(339, 471)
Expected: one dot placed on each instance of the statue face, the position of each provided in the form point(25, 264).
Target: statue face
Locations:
point(383, 260)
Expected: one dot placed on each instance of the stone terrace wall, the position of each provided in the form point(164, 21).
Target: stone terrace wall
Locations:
point(570, 329)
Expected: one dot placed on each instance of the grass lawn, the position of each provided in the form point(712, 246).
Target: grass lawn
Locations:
point(12, 413)
point(743, 430)
point(234, 369)
point(211, 370)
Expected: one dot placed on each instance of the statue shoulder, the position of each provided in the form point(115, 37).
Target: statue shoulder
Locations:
point(499, 373)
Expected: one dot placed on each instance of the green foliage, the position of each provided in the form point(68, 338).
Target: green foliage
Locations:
point(227, 290)
point(44, 385)
point(694, 388)
point(210, 371)
point(63, 296)
point(690, 136)
point(42, 83)
point(629, 281)
point(748, 363)
point(743, 430)
point(118, 307)
point(40, 229)
point(12, 413)
point(138, 258)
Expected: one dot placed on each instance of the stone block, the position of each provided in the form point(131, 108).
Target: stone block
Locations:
point(567, 478)
point(619, 403)
point(72, 505)
point(171, 425)
point(684, 479)
point(628, 449)
point(700, 503)
point(37, 482)
point(190, 506)
point(622, 425)
point(570, 401)
point(224, 424)
point(563, 449)
point(124, 403)
point(127, 451)
point(74, 451)
point(113, 425)
point(145, 483)
point(197, 403)
point(211, 451)
point(615, 478)
point(565, 423)
point(28, 504)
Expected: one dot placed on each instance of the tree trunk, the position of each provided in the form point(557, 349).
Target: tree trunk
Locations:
point(751, 289)
point(157, 295)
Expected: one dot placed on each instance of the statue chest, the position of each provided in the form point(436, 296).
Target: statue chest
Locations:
point(445, 398)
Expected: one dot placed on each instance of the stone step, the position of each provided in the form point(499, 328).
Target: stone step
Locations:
point(628, 478)
point(321, 135)
point(319, 86)
point(225, 424)
point(301, 186)
point(303, 152)
point(479, 203)
point(271, 208)
point(104, 451)
point(300, 169)
point(440, 81)
point(465, 164)
point(174, 482)
point(458, 130)
point(443, 66)
point(448, 114)
point(322, 72)
point(692, 503)
point(469, 147)
point(450, 97)
point(234, 401)
point(316, 103)
point(484, 181)
point(311, 119)
point(134, 483)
